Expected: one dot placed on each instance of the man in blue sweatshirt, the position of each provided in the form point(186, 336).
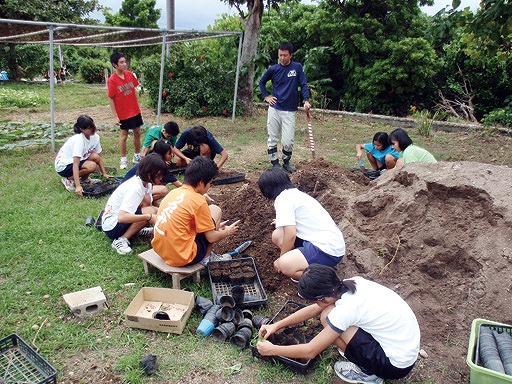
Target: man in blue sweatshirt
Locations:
point(286, 77)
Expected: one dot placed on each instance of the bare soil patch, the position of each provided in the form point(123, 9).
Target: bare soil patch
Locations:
point(438, 234)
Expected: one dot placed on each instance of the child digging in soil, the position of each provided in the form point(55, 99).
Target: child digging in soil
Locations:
point(374, 328)
point(409, 153)
point(305, 232)
point(379, 152)
point(80, 156)
point(129, 209)
point(165, 150)
point(199, 142)
point(186, 226)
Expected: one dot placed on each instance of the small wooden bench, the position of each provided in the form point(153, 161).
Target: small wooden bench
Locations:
point(177, 273)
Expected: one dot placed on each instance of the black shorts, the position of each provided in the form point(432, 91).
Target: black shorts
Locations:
point(68, 171)
point(132, 122)
point(190, 153)
point(366, 352)
point(120, 229)
point(202, 247)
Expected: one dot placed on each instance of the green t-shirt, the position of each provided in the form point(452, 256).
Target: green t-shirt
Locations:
point(155, 133)
point(414, 154)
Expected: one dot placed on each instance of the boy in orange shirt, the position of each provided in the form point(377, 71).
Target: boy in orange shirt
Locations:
point(186, 226)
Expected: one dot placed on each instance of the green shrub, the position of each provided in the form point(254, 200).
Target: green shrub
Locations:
point(500, 116)
point(196, 83)
point(92, 70)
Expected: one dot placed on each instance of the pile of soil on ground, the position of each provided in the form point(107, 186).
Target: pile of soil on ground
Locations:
point(439, 234)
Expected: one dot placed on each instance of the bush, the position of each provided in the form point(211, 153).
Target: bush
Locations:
point(92, 70)
point(196, 83)
point(500, 116)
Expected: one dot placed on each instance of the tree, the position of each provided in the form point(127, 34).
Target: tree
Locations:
point(135, 13)
point(252, 23)
point(74, 11)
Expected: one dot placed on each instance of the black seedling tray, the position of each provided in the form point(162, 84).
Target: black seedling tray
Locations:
point(492, 327)
point(298, 365)
point(19, 363)
point(176, 171)
point(100, 189)
point(229, 179)
point(254, 294)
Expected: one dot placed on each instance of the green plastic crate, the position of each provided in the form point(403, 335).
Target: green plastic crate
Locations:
point(481, 375)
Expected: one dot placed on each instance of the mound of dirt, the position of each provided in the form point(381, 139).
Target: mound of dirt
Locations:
point(439, 234)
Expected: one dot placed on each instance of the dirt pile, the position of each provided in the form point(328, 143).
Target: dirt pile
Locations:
point(438, 234)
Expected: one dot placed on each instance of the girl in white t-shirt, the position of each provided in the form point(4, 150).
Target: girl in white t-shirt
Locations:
point(372, 326)
point(80, 156)
point(305, 233)
point(129, 209)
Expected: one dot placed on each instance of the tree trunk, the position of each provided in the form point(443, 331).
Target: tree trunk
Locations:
point(249, 47)
point(11, 62)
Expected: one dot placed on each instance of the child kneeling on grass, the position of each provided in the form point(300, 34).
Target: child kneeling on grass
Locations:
point(129, 209)
point(186, 226)
point(80, 156)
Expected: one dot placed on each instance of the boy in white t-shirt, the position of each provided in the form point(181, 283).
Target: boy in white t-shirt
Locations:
point(305, 232)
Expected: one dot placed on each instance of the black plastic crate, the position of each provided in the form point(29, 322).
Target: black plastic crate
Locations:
point(229, 179)
point(254, 294)
point(492, 327)
point(19, 363)
point(298, 365)
point(105, 187)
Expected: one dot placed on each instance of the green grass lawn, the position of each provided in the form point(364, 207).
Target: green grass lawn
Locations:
point(46, 251)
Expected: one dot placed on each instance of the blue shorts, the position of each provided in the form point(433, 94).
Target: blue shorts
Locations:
point(68, 171)
point(132, 122)
point(120, 229)
point(367, 353)
point(315, 255)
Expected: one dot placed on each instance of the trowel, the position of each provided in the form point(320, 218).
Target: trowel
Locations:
point(242, 247)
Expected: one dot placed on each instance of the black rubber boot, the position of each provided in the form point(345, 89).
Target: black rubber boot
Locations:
point(288, 167)
point(275, 164)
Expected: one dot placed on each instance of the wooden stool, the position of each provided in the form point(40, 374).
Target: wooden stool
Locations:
point(177, 273)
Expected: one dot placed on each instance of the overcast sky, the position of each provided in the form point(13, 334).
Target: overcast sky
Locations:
point(199, 14)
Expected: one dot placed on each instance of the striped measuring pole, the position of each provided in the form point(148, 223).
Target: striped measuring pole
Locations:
point(310, 132)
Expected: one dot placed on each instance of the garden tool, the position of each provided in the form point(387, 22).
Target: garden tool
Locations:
point(242, 247)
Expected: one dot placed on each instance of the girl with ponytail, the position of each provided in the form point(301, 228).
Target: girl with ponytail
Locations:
point(373, 328)
point(80, 156)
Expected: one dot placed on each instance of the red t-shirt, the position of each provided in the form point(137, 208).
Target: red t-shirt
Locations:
point(123, 92)
point(182, 214)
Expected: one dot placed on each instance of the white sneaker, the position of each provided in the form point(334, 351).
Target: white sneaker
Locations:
point(68, 184)
point(121, 245)
point(123, 163)
point(136, 158)
point(91, 181)
point(215, 257)
point(146, 232)
point(351, 373)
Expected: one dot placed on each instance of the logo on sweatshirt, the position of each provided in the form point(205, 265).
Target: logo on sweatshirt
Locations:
point(292, 73)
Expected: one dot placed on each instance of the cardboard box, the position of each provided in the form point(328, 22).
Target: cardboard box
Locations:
point(178, 304)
